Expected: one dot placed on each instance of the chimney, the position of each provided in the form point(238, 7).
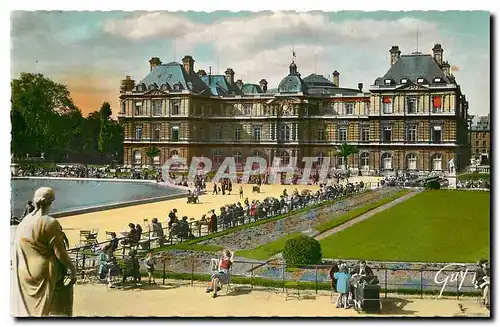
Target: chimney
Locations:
point(395, 54)
point(263, 85)
point(360, 87)
point(229, 76)
point(127, 84)
point(153, 62)
point(336, 75)
point(201, 72)
point(239, 83)
point(438, 53)
point(188, 63)
point(446, 68)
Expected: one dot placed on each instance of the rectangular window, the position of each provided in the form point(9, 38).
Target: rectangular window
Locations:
point(387, 105)
point(294, 132)
point(387, 134)
point(273, 131)
point(411, 105)
point(247, 109)
point(343, 134)
point(365, 134)
point(436, 104)
point(436, 134)
point(477, 143)
point(123, 107)
point(138, 132)
point(411, 135)
point(256, 133)
point(349, 108)
point(138, 108)
point(321, 134)
point(366, 108)
point(156, 132)
point(218, 133)
point(237, 134)
point(157, 104)
point(175, 108)
point(484, 144)
point(285, 133)
point(175, 134)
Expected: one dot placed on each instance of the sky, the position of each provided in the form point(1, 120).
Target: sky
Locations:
point(91, 51)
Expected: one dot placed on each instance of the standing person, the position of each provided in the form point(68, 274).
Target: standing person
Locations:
point(215, 189)
point(212, 223)
point(41, 263)
point(241, 192)
point(150, 262)
point(482, 281)
point(29, 208)
point(223, 186)
point(343, 279)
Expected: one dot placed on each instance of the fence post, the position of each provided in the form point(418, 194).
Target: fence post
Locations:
point(458, 289)
point(251, 278)
point(283, 272)
point(316, 277)
point(192, 271)
point(83, 265)
point(421, 283)
point(163, 272)
point(385, 282)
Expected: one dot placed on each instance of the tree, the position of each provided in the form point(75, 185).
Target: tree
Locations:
point(153, 152)
point(302, 250)
point(104, 133)
point(345, 150)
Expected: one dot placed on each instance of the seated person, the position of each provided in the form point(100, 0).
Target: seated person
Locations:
point(184, 230)
point(138, 233)
point(362, 269)
point(222, 277)
point(157, 230)
point(114, 242)
point(131, 235)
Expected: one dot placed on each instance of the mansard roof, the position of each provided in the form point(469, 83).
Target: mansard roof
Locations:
point(251, 89)
point(219, 85)
point(319, 85)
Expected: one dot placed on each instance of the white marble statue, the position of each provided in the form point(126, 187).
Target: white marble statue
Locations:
point(451, 166)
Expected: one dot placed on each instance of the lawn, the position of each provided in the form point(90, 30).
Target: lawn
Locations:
point(433, 226)
point(265, 251)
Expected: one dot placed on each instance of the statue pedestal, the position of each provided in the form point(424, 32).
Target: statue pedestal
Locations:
point(452, 181)
point(14, 168)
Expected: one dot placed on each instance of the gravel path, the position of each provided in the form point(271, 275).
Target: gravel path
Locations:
point(367, 215)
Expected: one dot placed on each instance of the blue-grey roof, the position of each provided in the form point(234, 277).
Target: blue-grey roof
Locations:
point(413, 67)
point(219, 85)
point(319, 85)
point(292, 84)
point(171, 74)
point(481, 123)
point(251, 89)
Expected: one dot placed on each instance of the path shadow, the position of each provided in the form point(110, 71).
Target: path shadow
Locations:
point(307, 297)
point(146, 287)
point(396, 306)
point(239, 290)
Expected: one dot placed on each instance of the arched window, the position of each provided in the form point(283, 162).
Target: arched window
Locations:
point(237, 156)
point(156, 160)
point(386, 161)
point(437, 162)
point(137, 157)
point(285, 158)
point(364, 159)
point(411, 161)
point(321, 158)
point(217, 157)
point(174, 154)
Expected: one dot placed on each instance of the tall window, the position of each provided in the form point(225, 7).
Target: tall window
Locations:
point(218, 133)
point(237, 133)
point(156, 132)
point(386, 161)
point(285, 133)
point(484, 144)
point(138, 132)
point(123, 107)
point(138, 108)
point(365, 133)
point(411, 105)
point(387, 105)
point(237, 156)
point(436, 104)
point(343, 134)
point(137, 157)
point(477, 143)
point(364, 159)
point(321, 158)
point(247, 109)
point(411, 161)
point(366, 108)
point(387, 134)
point(411, 135)
point(349, 108)
point(175, 134)
point(175, 108)
point(437, 162)
point(273, 131)
point(285, 157)
point(257, 133)
point(436, 134)
point(321, 134)
point(157, 104)
point(218, 157)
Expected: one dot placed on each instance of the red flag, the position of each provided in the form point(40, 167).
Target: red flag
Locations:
point(436, 101)
point(387, 100)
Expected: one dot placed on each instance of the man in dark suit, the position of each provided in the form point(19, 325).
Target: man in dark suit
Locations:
point(362, 269)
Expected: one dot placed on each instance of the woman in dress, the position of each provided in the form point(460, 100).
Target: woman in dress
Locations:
point(221, 277)
point(41, 263)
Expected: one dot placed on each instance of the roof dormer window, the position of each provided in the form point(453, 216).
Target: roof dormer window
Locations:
point(404, 81)
point(177, 86)
point(388, 81)
point(438, 80)
point(140, 88)
point(420, 80)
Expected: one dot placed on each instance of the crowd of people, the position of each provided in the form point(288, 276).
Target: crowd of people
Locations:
point(474, 184)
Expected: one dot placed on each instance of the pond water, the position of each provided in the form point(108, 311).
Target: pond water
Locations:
point(78, 194)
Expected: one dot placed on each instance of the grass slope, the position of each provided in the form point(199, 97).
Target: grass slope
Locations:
point(264, 251)
point(433, 226)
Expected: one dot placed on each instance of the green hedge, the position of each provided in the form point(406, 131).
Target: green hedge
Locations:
point(358, 212)
point(433, 185)
point(302, 250)
point(474, 177)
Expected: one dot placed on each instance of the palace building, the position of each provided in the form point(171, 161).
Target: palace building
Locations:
point(413, 119)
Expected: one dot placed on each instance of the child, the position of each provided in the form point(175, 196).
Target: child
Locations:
point(343, 278)
point(149, 262)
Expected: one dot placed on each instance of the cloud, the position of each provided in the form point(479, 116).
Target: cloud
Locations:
point(455, 68)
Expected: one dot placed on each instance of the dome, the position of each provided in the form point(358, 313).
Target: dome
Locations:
point(292, 84)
